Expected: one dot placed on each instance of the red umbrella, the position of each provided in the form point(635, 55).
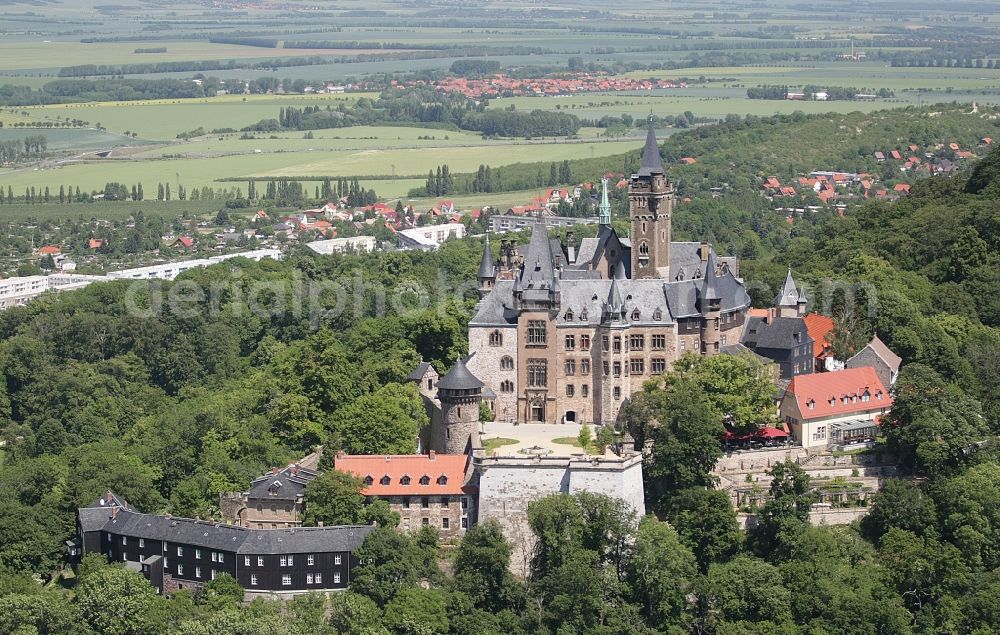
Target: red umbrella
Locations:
point(771, 433)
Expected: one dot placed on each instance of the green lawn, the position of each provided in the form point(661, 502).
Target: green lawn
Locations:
point(492, 444)
point(572, 441)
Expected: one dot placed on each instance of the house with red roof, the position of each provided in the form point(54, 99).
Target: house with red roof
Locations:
point(901, 188)
point(95, 243)
point(50, 250)
point(954, 147)
point(821, 409)
point(424, 489)
point(820, 327)
point(688, 160)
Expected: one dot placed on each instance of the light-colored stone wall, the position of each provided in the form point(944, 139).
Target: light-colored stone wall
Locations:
point(485, 365)
point(507, 485)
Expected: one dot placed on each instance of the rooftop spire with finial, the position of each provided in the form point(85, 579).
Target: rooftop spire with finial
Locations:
point(604, 211)
point(709, 285)
point(651, 161)
point(487, 268)
point(789, 294)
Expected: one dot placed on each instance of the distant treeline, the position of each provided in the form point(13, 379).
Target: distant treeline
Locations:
point(158, 49)
point(87, 70)
point(474, 68)
point(30, 147)
point(833, 93)
point(421, 105)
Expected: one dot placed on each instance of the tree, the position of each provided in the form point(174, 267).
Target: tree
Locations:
point(786, 514)
point(389, 562)
point(584, 438)
point(900, 504)
point(707, 524)
point(355, 614)
point(922, 570)
point(384, 422)
point(221, 591)
point(744, 590)
point(333, 498)
point(605, 437)
point(114, 600)
point(660, 572)
point(685, 430)
point(416, 611)
point(482, 570)
point(40, 612)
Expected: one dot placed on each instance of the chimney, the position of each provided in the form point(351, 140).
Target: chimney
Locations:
point(114, 512)
point(431, 455)
point(703, 250)
point(295, 469)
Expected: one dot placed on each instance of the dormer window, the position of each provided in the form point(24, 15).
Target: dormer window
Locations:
point(569, 315)
point(385, 480)
point(442, 480)
point(843, 400)
point(878, 395)
point(635, 315)
point(425, 480)
point(657, 315)
point(583, 314)
point(811, 404)
point(369, 480)
point(833, 402)
point(405, 480)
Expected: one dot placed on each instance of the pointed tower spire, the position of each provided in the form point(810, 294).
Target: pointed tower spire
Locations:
point(487, 271)
point(790, 301)
point(651, 161)
point(709, 284)
point(604, 211)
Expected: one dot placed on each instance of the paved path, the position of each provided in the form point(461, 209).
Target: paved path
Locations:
point(530, 435)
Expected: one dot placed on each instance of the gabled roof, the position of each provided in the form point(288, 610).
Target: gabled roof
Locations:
point(818, 389)
point(877, 346)
point(419, 372)
point(776, 333)
point(651, 161)
point(288, 483)
point(818, 326)
point(451, 466)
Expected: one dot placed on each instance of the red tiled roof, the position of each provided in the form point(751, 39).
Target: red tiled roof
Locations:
point(185, 241)
point(415, 466)
point(50, 250)
point(902, 187)
point(852, 383)
point(818, 326)
point(95, 243)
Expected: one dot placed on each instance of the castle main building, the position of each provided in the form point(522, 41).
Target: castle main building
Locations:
point(566, 335)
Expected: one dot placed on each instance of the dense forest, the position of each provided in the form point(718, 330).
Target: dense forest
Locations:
point(170, 393)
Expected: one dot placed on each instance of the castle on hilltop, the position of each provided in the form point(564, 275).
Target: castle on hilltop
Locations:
point(565, 333)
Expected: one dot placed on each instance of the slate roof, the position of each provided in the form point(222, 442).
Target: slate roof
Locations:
point(288, 484)
point(459, 378)
point(93, 517)
point(538, 273)
point(418, 373)
point(486, 267)
point(782, 333)
point(789, 295)
point(651, 161)
point(891, 359)
point(220, 537)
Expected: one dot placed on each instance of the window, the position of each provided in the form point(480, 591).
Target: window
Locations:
point(406, 502)
point(658, 342)
point(585, 366)
point(197, 554)
point(369, 480)
point(683, 345)
point(637, 342)
point(425, 480)
point(496, 339)
point(309, 578)
point(260, 561)
point(213, 556)
point(604, 343)
point(570, 342)
point(180, 551)
point(385, 480)
point(465, 523)
point(811, 404)
point(618, 369)
point(425, 521)
point(291, 561)
point(658, 366)
point(246, 561)
point(124, 540)
point(336, 578)
point(657, 315)
point(310, 560)
point(607, 368)
point(336, 559)
point(507, 386)
point(636, 366)
point(425, 502)
point(617, 344)
point(635, 315)
point(569, 315)
point(585, 342)
point(442, 480)
point(213, 574)
point(618, 393)
point(569, 390)
point(445, 501)
point(284, 561)
point(405, 480)
point(538, 376)
point(253, 579)
point(536, 333)
point(197, 572)
point(286, 580)
point(164, 547)
point(570, 367)
point(444, 523)
point(465, 503)
point(506, 363)
point(584, 390)
point(180, 569)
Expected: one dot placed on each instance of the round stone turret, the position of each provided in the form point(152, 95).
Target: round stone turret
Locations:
point(460, 393)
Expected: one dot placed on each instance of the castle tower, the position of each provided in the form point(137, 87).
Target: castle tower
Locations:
point(710, 305)
point(487, 271)
point(791, 301)
point(651, 206)
point(460, 394)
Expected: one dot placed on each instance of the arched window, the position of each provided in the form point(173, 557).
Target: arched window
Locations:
point(644, 248)
point(496, 339)
point(507, 386)
point(657, 315)
point(506, 363)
